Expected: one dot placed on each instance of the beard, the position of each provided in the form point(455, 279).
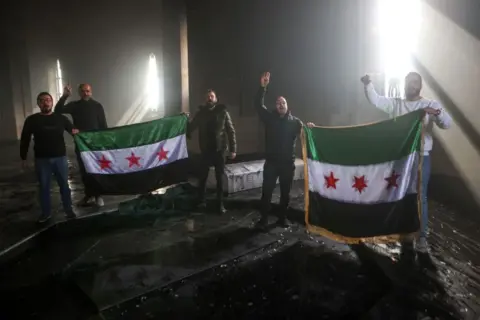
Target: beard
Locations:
point(412, 93)
point(46, 110)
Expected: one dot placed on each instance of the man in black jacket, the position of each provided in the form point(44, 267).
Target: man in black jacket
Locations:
point(216, 137)
point(87, 114)
point(282, 130)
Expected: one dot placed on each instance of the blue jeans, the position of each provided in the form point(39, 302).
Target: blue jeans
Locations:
point(425, 178)
point(44, 167)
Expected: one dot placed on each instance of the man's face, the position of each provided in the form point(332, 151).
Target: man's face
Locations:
point(85, 92)
point(413, 85)
point(211, 98)
point(282, 107)
point(45, 103)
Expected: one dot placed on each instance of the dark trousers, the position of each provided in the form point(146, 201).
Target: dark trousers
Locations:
point(44, 167)
point(83, 174)
point(272, 171)
point(217, 160)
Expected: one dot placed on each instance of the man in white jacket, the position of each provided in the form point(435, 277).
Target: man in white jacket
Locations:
point(434, 114)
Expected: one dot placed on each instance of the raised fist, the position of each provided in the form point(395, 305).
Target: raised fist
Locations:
point(67, 90)
point(265, 79)
point(365, 79)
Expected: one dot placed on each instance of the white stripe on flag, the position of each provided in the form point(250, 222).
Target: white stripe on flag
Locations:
point(120, 161)
point(375, 176)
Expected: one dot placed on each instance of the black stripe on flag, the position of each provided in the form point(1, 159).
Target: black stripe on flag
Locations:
point(355, 220)
point(138, 182)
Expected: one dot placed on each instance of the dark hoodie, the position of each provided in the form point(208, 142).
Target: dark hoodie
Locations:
point(215, 128)
point(281, 132)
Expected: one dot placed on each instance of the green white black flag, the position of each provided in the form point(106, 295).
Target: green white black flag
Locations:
point(136, 158)
point(361, 181)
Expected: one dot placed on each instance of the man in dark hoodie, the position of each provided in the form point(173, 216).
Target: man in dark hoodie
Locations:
point(87, 114)
point(282, 130)
point(216, 137)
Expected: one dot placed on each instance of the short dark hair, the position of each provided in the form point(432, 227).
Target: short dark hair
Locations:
point(44, 93)
point(211, 91)
point(413, 73)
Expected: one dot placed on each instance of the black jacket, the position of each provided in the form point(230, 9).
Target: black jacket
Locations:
point(86, 114)
point(281, 132)
point(223, 130)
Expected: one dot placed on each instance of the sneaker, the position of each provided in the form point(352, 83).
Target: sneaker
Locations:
point(44, 219)
point(84, 202)
point(70, 215)
point(422, 245)
point(99, 201)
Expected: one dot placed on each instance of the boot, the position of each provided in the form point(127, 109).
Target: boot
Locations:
point(283, 222)
point(262, 224)
point(220, 206)
point(282, 219)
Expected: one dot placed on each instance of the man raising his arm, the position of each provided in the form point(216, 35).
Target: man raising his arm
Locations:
point(282, 130)
point(434, 114)
point(87, 114)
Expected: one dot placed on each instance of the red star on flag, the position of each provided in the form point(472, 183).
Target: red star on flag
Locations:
point(133, 160)
point(162, 154)
point(104, 163)
point(392, 180)
point(331, 181)
point(360, 184)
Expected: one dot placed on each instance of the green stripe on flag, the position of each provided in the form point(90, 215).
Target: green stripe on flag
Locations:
point(134, 135)
point(367, 144)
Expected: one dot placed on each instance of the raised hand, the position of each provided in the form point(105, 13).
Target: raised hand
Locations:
point(265, 79)
point(67, 90)
point(365, 79)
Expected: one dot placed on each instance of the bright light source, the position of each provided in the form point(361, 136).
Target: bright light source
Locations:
point(152, 90)
point(399, 25)
point(59, 80)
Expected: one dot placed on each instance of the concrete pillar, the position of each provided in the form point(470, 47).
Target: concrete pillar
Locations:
point(184, 62)
point(175, 56)
point(7, 116)
point(15, 84)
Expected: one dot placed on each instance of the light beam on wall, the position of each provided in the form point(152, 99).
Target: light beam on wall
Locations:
point(399, 25)
point(152, 90)
point(58, 80)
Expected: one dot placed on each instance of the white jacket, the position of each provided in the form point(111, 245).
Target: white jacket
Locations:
point(396, 107)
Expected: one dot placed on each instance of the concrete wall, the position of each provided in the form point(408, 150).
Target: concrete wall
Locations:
point(448, 59)
point(110, 50)
point(316, 53)
point(14, 79)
